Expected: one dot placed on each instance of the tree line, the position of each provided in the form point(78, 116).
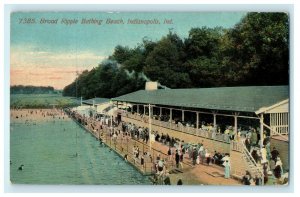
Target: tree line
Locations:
point(254, 52)
point(20, 89)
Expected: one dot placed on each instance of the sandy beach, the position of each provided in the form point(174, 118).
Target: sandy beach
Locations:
point(36, 115)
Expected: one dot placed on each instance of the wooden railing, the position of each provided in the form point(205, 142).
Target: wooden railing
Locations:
point(236, 146)
point(250, 162)
point(185, 129)
point(282, 129)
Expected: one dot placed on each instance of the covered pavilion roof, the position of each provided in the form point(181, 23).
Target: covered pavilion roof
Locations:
point(241, 99)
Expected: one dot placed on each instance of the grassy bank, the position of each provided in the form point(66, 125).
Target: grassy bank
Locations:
point(41, 101)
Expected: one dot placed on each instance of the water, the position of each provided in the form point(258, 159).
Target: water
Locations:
point(48, 152)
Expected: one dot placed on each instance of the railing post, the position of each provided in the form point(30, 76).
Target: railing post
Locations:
point(127, 144)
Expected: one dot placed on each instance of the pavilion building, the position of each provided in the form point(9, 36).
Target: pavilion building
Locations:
point(202, 114)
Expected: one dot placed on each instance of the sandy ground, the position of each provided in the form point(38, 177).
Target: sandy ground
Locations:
point(198, 174)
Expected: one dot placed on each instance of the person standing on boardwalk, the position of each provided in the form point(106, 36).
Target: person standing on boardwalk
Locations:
point(200, 152)
point(177, 159)
point(169, 154)
point(227, 169)
point(194, 156)
point(254, 138)
point(247, 178)
point(207, 156)
point(181, 159)
point(278, 172)
point(274, 154)
point(248, 144)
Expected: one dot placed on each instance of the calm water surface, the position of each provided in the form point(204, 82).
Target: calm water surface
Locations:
point(48, 152)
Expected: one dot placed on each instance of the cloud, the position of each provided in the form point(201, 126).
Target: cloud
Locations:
point(33, 66)
point(25, 59)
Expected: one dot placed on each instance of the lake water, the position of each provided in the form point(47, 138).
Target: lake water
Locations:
point(48, 152)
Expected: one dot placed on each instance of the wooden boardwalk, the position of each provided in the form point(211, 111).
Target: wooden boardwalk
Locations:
point(189, 174)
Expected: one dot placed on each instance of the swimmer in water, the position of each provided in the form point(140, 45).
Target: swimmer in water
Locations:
point(21, 167)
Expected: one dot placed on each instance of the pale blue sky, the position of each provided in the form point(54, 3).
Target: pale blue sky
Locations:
point(41, 46)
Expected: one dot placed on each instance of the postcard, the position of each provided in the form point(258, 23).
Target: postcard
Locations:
point(149, 98)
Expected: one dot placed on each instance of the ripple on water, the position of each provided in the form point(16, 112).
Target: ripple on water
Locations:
point(48, 152)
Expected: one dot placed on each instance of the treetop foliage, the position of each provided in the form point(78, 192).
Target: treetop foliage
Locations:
point(254, 52)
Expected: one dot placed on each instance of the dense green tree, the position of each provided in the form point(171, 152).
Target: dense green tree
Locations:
point(258, 50)
point(165, 62)
point(254, 52)
point(203, 42)
point(203, 56)
point(20, 89)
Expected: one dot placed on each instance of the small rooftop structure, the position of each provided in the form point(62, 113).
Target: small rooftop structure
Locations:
point(151, 85)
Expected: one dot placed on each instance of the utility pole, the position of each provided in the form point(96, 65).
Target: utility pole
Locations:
point(150, 126)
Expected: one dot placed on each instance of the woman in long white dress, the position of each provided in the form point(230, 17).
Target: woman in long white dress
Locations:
point(227, 169)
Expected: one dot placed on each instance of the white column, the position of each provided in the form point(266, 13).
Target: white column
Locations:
point(171, 115)
point(261, 130)
point(144, 109)
point(215, 120)
point(235, 124)
point(151, 109)
point(182, 116)
point(111, 117)
point(261, 137)
point(197, 120)
point(160, 111)
point(138, 108)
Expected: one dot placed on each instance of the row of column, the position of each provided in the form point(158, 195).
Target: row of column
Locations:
point(197, 116)
point(214, 120)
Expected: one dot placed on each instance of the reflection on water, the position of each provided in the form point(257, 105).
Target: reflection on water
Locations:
point(51, 154)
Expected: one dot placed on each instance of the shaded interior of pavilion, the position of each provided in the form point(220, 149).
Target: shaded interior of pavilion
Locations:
point(217, 120)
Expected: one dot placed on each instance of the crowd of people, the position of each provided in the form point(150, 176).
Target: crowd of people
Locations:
point(31, 116)
point(206, 129)
point(264, 156)
point(178, 150)
point(195, 153)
